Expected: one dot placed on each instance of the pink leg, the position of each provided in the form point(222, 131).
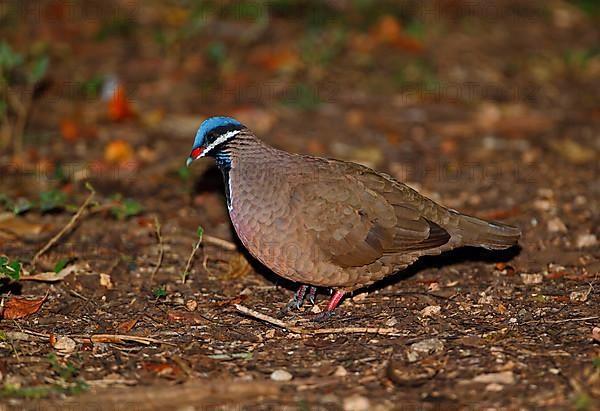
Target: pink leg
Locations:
point(333, 303)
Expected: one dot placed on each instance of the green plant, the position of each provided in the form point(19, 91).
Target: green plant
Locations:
point(125, 208)
point(52, 200)
point(159, 292)
point(10, 269)
point(18, 78)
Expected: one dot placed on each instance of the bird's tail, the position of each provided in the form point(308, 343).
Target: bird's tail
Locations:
point(487, 234)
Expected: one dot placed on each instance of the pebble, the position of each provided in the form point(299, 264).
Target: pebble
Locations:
point(579, 296)
point(281, 375)
point(431, 311)
point(556, 225)
point(65, 344)
point(340, 371)
point(431, 345)
point(586, 240)
point(504, 377)
point(356, 403)
point(532, 278)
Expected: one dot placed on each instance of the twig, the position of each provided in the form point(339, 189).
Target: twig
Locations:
point(195, 248)
point(161, 250)
point(67, 227)
point(297, 330)
point(120, 338)
point(227, 245)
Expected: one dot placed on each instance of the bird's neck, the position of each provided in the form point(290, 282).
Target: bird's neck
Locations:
point(244, 147)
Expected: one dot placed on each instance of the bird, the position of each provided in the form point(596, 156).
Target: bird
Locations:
point(330, 223)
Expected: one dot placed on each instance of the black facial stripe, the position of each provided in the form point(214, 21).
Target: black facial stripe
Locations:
point(218, 131)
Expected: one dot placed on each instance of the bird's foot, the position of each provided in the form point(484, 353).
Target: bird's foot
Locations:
point(329, 311)
point(298, 299)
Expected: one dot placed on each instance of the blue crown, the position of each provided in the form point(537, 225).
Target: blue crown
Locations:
point(212, 123)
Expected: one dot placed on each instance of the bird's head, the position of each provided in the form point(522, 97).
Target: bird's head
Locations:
point(212, 136)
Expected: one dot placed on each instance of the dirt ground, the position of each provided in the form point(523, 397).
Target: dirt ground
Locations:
point(494, 113)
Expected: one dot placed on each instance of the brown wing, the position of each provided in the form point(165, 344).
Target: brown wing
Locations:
point(356, 216)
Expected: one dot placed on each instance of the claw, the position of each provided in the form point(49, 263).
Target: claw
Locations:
point(312, 292)
point(296, 302)
point(329, 311)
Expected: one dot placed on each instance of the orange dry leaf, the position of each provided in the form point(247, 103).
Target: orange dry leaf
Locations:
point(388, 30)
point(69, 130)
point(118, 151)
point(280, 59)
point(126, 326)
point(18, 307)
point(162, 368)
point(119, 106)
point(185, 317)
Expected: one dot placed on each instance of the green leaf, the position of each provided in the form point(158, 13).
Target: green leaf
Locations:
point(184, 173)
point(10, 269)
point(60, 264)
point(52, 200)
point(21, 206)
point(216, 52)
point(127, 208)
point(200, 231)
point(39, 69)
point(8, 58)
point(159, 292)
point(596, 362)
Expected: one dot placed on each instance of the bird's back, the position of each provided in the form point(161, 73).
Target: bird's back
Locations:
point(339, 224)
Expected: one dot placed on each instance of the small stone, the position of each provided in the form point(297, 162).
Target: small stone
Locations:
point(431, 311)
point(504, 377)
point(596, 334)
point(281, 375)
point(579, 296)
point(340, 371)
point(391, 322)
point(65, 344)
point(191, 305)
point(431, 345)
point(586, 240)
point(556, 225)
point(356, 403)
point(105, 281)
point(411, 356)
point(359, 297)
point(532, 278)
point(315, 309)
point(494, 387)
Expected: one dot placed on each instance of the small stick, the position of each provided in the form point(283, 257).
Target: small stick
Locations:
point(195, 248)
point(297, 330)
point(67, 227)
point(227, 245)
point(161, 250)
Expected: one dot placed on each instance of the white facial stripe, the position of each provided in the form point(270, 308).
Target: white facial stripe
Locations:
point(222, 138)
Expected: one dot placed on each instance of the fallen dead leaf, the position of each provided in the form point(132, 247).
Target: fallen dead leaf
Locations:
point(69, 130)
point(19, 226)
point(126, 326)
point(18, 307)
point(51, 276)
point(118, 152)
point(185, 317)
point(119, 105)
point(162, 369)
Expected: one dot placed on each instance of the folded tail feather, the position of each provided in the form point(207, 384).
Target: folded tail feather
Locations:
point(487, 234)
